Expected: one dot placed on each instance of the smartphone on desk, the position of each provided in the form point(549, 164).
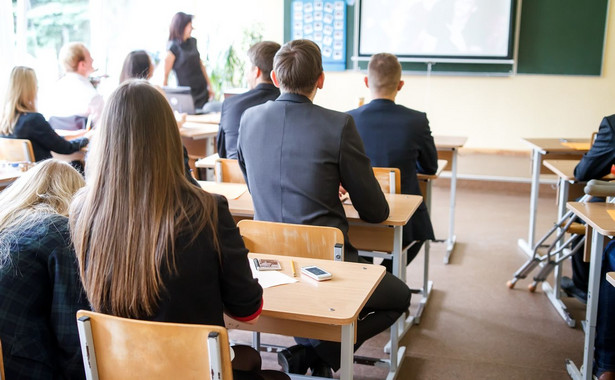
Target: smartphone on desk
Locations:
point(316, 273)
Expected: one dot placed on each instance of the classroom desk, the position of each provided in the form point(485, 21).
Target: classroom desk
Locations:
point(385, 236)
point(565, 172)
point(8, 176)
point(448, 147)
point(198, 131)
point(326, 310)
point(208, 118)
point(553, 149)
point(600, 224)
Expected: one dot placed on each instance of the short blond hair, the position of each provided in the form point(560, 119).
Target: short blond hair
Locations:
point(383, 73)
point(71, 54)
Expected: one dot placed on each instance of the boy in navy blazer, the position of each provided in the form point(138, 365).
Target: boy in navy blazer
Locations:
point(398, 137)
point(294, 155)
point(261, 90)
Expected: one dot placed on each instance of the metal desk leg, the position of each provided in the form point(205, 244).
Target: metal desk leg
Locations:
point(593, 290)
point(347, 352)
point(554, 293)
point(528, 246)
point(450, 242)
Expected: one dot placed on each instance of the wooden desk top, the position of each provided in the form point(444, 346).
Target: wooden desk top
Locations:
point(441, 165)
point(610, 277)
point(596, 214)
point(565, 169)
point(402, 206)
point(70, 134)
point(449, 142)
point(7, 176)
point(208, 118)
point(551, 145)
point(337, 301)
point(198, 131)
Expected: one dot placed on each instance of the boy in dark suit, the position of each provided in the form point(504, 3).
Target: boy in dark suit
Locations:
point(398, 137)
point(261, 90)
point(294, 155)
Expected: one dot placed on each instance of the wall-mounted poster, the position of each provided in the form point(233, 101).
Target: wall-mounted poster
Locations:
point(324, 22)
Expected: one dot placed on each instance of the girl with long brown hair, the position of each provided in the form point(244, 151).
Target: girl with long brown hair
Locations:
point(150, 245)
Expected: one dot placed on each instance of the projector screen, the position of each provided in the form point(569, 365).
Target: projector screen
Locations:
point(437, 29)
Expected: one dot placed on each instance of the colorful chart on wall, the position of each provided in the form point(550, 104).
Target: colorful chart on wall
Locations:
point(324, 22)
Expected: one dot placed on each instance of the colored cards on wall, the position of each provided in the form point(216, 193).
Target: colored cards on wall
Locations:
point(324, 22)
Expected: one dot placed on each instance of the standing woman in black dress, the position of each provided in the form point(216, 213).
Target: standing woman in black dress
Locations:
point(184, 58)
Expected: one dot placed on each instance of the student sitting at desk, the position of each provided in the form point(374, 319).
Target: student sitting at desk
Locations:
point(74, 94)
point(149, 244)
point(40, 291)
point(398, 137)
point(20, 120)
point(294, 155)
point(261, 90)
point(139, 65)
point(595, 164)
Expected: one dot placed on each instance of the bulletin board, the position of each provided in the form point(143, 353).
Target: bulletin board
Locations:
point(324, 22)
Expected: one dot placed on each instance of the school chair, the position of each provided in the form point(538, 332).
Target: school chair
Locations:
point(389, 179)
point(610, 277)
point(228, 170)
point(121, 349)
point(16, 150)
point(1, 364)
point(287, 239)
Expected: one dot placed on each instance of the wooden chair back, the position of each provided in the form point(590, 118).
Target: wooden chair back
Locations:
point(389, 179)
point(16, 150)
point(292, 239)
point(121, 349)
point(228, 170)
point(1, 364)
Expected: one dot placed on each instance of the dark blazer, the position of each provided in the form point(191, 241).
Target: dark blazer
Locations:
point(597, 162)
point(294, 155)
point(399, 137)
point(40, 292)
point(34, 127)
point(233, 108)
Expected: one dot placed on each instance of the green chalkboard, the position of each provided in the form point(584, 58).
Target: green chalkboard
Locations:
point(562, 36)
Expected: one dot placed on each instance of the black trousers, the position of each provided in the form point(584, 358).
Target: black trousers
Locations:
point(390, 300)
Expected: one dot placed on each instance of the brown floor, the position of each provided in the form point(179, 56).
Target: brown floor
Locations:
point(474, 327)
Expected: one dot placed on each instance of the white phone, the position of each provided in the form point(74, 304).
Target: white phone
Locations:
point(316, 273)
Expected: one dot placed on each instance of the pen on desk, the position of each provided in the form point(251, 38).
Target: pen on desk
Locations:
point(256, 265)
point(292, 266)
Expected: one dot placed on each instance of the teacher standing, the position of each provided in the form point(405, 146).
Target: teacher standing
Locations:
point(184, 58)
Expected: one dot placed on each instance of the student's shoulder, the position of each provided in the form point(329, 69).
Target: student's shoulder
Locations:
point(409, 111)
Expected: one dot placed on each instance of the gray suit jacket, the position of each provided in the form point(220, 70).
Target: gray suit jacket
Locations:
point(294, 155)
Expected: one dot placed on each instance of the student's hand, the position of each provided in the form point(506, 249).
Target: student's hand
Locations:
point(180, 118)
point(343, 194)
point(90, 134)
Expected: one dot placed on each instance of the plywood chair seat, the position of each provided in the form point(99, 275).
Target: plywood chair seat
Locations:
point(16, 150)
point(121, 349)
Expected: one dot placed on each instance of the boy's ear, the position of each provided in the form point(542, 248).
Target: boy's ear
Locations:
point(321, 81)
point(366, 81)
point(400, 85)
point(274, 79)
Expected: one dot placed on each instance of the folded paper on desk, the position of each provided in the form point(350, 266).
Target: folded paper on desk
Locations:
point(268, 279)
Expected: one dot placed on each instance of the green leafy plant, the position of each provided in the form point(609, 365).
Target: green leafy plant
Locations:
point(228, 70)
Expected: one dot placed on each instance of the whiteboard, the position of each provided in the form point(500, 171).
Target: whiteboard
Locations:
point(472, 29)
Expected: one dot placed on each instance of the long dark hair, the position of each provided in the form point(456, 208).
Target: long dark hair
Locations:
point(178, 25)
point(136, 65)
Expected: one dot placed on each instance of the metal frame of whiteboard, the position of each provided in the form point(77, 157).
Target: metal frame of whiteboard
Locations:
point(356, 58)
